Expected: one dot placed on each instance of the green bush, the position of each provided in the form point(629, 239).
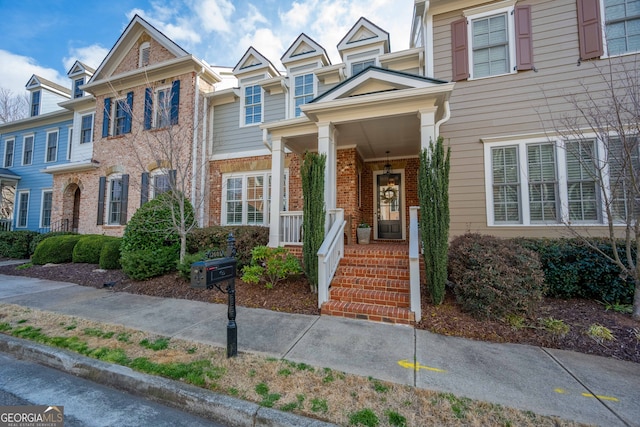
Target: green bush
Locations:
point(572, 269)
point(110, 254)
point(40, 237)
point(247, 238)
point(89, 247)
point(494, 278)
point(56, 249)
point(147, 263)
point(16, 244)
point(184, 268)
point(270, 265)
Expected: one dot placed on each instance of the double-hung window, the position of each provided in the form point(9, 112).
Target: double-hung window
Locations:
point(113, 197)
point(35, 103)
point(27, 150)
point(246, 198)
point(543, 185)
point(359, 66)
point(252, 104)
point(119, 117)
point(9, 148)
point(506, 184)
point(303, 91)
point(624, 167)
point(116, 118)
point(622, 26)
point(47, 204)
point(77, 92)
point(163, 107)
point(86, 128)
point(582, 188)
point(115, 201)
point(490, 41)
point(23, 209)
point(51, 154)
point(161, 184)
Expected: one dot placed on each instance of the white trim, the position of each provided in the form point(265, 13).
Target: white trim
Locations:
point(152, 176)
point(107, 208)
point(292, 93)
point(243, 111)
point(144, 46)
point(46, 145)
point(70, 140)
point(31, 135)
point(18, 209)
point(13, 154)
point(93, 123)
point(43, 192)
point(403, 204)
point(241, 154)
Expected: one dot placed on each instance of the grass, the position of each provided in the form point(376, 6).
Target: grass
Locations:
point(600, 333)
point(555, 327)
point(323, 393)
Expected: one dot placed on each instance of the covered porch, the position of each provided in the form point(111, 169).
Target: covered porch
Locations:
point(8, 185)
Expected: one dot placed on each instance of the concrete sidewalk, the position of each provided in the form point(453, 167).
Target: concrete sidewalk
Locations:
point(570, 385)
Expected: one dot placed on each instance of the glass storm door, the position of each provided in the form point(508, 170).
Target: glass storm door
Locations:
point(389, 206)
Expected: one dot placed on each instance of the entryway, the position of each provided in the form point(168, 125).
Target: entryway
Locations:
point(389, 201)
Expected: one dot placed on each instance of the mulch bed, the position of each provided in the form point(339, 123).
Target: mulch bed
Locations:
point(294, 296)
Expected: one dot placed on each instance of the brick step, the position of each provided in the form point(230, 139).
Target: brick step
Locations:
point(376, 313)
point(389, 299)
point(370, 283)
point(365, 261)
point(383, 273)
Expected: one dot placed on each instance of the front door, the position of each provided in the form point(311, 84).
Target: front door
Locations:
point(389, 206)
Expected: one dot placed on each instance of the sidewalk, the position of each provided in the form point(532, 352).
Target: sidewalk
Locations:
point(570, 385)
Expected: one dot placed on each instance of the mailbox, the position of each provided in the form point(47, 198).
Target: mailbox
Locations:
point(206, 274)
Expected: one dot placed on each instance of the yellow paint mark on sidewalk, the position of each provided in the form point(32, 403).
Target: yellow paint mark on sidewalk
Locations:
point(417, 366)
point(609, 398)
point(560, 390)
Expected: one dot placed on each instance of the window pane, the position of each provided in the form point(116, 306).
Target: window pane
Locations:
point(115, 201)
point(234, 201)
point(542, 182)
point(303, 91)
point(47, 201)
point(255, 200)
point(622, 26)
point(23, 206)
point(490, 46)
point(581, 181)
point(506, 199)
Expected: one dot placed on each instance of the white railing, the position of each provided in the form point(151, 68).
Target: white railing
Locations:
point(291, 228)
point(5, 225)
point(330, 254)
point(414, 262)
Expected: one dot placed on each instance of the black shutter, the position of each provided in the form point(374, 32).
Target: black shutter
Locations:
point(125, 199)
point(172, 179)
point(106, 116)
point(128, 113)
point(148, 107)
point(144, 188)
point(175, 101)
point(102, 183)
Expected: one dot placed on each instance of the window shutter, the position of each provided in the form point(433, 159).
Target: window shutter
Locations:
point(125, 199)
point(102, 183)
point(175, 101)
point(148, 107)
point(459, 50)
point(172, 179)
point(524, 41)
point(144, 188)
point(589, 29)
point(106, 117)
point(129, 113)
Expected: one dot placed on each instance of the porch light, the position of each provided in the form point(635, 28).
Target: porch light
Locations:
point(387, 171)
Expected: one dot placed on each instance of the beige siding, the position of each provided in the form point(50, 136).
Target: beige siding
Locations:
point(514, 104)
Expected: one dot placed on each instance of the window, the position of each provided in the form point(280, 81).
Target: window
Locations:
point(115, 201)
point(541, 168)
point(506, 184)
point(86, 128)
point(9, 147)
point(77, 92)
point(52, 147)
point(113, 198)
point(145, 50)
point(490, 46)
point(23, 209)
point(47, 203)
point(581, 181)
point(120, 117)
point(27, 150)
point(622, 23)
point(161, 184)
point(35, 103)
point(69, 141)
point(246, 199)
point(303, 91)
point(357, 67)
point(252, 104)
point(117, 116)
point(161, 107)
point(622, 179)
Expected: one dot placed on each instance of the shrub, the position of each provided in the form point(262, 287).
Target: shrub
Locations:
point(147, 263)
point(247, 237)
point(40, 237)
point(270, 265)
point(89, 247)
point(56, 249)
point(16, 244)
point(110, 254)
point(572, 269)
point(494, 277)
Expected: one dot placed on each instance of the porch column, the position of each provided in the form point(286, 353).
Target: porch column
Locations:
point(427, 127)
point(277, 178)
point(327, 145)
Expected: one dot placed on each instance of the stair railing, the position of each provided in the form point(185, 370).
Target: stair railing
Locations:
point(330, 254)
point(414, 262)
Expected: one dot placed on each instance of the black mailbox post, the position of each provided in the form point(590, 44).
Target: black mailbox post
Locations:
point(211, 273)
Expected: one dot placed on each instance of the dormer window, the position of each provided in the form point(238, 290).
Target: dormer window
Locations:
point(77, 92)
point(303, 91)
point(35, 103)
point(357, 67)
point(252, 104)
point(145, 49)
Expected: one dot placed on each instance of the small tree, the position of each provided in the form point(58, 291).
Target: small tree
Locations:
point(13, 107)
point(433, 192)
point(312, 172)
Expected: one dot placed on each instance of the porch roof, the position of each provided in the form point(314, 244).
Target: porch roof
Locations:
point(7, 174)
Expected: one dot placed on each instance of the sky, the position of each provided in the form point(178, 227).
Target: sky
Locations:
point(45, 37)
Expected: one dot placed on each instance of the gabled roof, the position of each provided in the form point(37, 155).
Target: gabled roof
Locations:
point(305, 47)
point(127, 40)
point(80, 68)
point(364, 32)
point(376, 80)
point(253, 60)
point(37, 81)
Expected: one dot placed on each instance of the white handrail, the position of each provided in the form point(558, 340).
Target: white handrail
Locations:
point(290, 228)
point(414, 262)
point(330, 254)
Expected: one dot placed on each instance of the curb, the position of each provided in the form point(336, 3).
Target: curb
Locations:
point(217, 407)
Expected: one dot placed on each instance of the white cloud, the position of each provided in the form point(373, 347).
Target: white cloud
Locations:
point(214, 15)
point(17, 70)
point(89, 55)
point(265, 42)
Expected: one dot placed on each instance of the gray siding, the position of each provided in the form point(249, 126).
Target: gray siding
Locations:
point(274, 107)
point(228, 136)
point(322, 88)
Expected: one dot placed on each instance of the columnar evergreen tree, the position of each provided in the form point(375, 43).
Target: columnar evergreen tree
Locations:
point(312, 171)
point(433, 192)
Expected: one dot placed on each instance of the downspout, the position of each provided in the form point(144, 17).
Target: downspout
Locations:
point(194, 145)
point(447, 116)
point(203, 168)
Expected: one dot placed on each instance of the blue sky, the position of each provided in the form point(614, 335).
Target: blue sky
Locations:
point(45, 37)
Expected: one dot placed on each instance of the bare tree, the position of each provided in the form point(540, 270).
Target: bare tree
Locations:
point(13, 106)
point(601, 136)
point(7, 196)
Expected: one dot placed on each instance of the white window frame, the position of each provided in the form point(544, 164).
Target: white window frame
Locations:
point(82, 129)
point(35, 108)
point(142, 61)
point(69, 141)
point(19, 209)
point(360, 57)
point(354, 63)
point(24, 148)
point(244, 105)
point(114, 119)
point(293, 91)
point(482, 13)
point(162, 109)
point(44, 193)
point(603, 14)
point(244, 176)
point(77, 92)
point(110, 179)
point(57, 147)
point(5, 163)
point(152, 182)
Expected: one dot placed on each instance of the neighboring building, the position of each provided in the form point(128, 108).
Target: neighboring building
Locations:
point(27, 147)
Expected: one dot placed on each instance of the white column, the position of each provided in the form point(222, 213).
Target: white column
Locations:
point(327, 146)
point(277, 178)
point(427, 127)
